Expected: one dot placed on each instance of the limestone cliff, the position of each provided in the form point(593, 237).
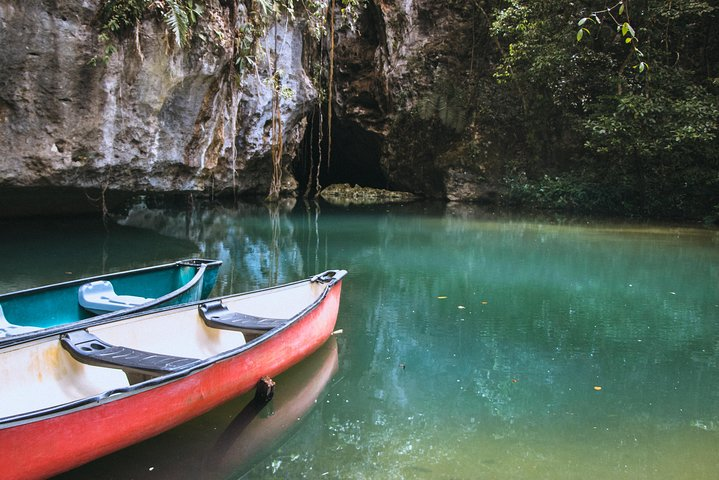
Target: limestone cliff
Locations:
point(155, 117)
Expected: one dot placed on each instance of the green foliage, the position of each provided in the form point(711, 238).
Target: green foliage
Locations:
point(275, 8)
point(665, 126)
point(567, 193)
point(313, 13)
point(592, 126)
point(180, 16)
point(664, 146)
point(245, 45)
point(620, 20)
point(119, 17)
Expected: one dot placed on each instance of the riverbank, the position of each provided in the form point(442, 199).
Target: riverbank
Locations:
point(527, 200)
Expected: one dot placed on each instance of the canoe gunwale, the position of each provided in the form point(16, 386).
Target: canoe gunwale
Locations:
point(329, 281)
point(201, 264)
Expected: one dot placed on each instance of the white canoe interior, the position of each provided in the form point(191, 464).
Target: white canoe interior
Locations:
point(42, 374)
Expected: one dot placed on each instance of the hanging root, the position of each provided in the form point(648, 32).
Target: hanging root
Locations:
point(330, 81)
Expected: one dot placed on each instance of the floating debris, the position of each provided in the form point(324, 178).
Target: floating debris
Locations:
point(709, 426)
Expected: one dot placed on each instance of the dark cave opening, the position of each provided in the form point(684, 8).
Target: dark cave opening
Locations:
point(355, 156)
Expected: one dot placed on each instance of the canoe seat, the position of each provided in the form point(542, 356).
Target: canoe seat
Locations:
point(87, 348)
point(7, 329)
point(216, 315)
point(100, 297)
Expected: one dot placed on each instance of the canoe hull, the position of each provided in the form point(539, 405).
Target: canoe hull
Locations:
point(51, 308)
point(50, 446)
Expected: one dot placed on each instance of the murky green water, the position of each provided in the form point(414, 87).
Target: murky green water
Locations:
point(473, 346)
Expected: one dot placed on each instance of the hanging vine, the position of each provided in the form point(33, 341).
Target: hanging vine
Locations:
point(306, 194)
point(319, 17)
point(330, 84)
point(277, 145)
point(325, 27)
point(318, 187)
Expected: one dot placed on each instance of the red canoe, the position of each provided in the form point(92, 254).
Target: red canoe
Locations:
point(72, 397)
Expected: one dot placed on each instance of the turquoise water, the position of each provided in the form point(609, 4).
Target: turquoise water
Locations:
point(473, 345)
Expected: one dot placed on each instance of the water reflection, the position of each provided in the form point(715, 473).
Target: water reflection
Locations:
point(228, 441)
point(504, 329)
point(257, 243)
point(477, 345)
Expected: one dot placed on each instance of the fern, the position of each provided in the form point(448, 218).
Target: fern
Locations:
point(117, 17)
point(177, 20)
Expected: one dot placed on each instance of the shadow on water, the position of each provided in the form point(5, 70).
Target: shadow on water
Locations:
point(40, 251)
point(231, 439)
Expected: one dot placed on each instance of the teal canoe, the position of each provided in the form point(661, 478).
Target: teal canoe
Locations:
point(38, 311)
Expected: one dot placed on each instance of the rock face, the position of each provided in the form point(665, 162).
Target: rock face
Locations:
point(162, 119)
point(154, 118)
point(408, 79)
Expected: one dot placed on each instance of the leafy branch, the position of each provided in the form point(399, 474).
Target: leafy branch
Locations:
point(618, 14)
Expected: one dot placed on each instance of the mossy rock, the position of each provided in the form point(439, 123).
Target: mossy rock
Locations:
point(346, 194)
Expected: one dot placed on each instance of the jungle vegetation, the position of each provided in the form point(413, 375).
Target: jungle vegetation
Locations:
point(610, 107)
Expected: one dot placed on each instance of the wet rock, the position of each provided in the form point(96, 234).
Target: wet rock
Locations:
point(345, 194)
point(464, 185)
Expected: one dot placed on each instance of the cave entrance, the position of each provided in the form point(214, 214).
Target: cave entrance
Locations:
point(355, 156)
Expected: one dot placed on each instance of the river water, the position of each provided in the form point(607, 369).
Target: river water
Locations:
point(472, 345)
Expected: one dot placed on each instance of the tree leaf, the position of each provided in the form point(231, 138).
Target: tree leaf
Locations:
point(621, 9)
point(580, 34)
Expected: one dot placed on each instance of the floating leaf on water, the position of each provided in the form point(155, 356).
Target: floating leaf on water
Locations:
point(442, 297)
point(597, 388)
point(484, 302)
point(461, 307)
